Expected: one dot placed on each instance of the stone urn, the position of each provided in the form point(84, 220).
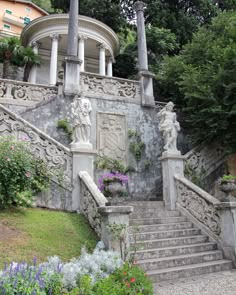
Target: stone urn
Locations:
point(229, 187)
point(117, 192)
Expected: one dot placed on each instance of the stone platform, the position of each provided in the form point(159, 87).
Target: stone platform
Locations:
point(208, 284)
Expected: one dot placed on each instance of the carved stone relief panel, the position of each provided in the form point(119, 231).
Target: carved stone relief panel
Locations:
point(112, 136)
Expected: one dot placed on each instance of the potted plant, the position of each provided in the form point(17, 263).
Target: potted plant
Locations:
point(114, 186)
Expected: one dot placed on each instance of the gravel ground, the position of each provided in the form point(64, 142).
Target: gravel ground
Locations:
point(220, 283)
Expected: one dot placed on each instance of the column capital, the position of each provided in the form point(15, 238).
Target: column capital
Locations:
point(82, 37)
point(101, 46)
point(139, 6)
point(54, 36)
point(35, 44)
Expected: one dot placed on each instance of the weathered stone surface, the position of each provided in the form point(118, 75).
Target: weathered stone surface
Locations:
point(146, 181)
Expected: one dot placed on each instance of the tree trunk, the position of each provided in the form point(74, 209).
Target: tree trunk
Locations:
point(5, 69)
point(27, 70)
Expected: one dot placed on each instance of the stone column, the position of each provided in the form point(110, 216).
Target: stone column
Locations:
point(33, 72)
point(72, 63)
point(109, 67)
point(145, 76)
point(53, 61)
point(142, 44)
point(172, 163)
point(72, 45)
point(81, 51)
point(102, 60)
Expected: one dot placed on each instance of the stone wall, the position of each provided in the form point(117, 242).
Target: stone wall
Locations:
point(115, 119)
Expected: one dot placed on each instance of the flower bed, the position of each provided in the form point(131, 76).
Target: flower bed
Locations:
point(100, 273)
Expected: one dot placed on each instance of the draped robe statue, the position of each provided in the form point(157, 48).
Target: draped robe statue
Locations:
point(169, 127)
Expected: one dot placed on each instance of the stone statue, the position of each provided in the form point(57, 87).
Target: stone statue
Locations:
point(81, 108)
point(169, 127)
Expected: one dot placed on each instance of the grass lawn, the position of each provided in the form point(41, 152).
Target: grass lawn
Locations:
point(29, 233)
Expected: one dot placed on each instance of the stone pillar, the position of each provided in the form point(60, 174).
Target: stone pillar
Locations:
point(109, 67)
point(172, 163)
point(83, 160)
point(53, 60)
point(102, 60)
point(72, 63)
point(72, 46)
point(119, 215)
point(141, 34)
point(145, 76)
point(33, 72)
point(81, 51)
point(227, 238)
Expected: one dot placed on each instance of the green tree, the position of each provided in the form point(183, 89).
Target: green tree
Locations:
point(13, 53)
point(29, 59)
point(202, 79)
point(44, 4)
point(10, 49)
point(108, 11)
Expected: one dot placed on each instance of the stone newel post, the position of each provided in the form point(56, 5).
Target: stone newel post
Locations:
point(144, 75)
point(172, 161)
point(72, 63)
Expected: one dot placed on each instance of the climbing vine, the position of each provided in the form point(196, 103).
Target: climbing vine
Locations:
point(136, 146)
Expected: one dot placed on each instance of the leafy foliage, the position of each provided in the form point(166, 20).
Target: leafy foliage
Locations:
point(113, 165)
point(136, 146)
point(203, 80)
point(13, 53)
point(127, 280)
point(64, 125)
point(20, 174)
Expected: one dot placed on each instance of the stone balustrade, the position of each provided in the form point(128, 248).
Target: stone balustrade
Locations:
point(93, 205)
point(90, 200)
point(205, 158)
point(199, 204)
point(57, 157)
point(216, 219)
point(24, 93)
point(110, 88)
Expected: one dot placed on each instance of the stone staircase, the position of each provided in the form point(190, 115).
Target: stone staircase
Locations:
point(169, 245)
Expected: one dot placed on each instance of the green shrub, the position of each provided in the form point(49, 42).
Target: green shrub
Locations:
point(20, 174)
point(127, 280)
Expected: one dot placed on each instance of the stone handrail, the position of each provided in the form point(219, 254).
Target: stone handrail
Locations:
point(205, 158)
point(198, 205)
point(110, 87)
point(90, 200)
point(24, 93)
point(54, 154)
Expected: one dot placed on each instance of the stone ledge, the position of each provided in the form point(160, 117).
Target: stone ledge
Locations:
point(115, 209)
point(226, 205)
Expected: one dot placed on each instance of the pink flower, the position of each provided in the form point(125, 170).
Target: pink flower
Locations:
point(132, 280)
point(27, 174)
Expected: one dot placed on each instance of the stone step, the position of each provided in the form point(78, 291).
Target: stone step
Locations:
point(161, 243)
point(160, 227)
point(181, 260)
point(174, 251)
point(150, 221)
point(145, 204)
point(189, 270)
point(165, 234)
point(152, 213)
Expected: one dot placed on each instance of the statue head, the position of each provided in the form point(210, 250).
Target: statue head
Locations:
point(170, 106)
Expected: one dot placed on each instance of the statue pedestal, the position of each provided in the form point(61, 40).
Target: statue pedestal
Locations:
point(146, 81)
point(83, 160)
point(172, 163)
